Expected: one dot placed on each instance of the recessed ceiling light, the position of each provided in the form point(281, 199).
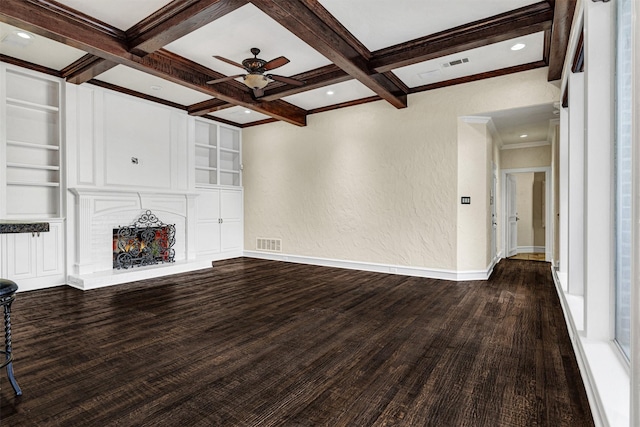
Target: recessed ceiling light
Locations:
point(518, 46)
point(156, 87)
point(524, 135)
point(24, 35)
point(330, 92)
point(247, 111)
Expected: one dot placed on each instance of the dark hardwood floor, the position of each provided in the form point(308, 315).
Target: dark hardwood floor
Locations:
point(263, 343)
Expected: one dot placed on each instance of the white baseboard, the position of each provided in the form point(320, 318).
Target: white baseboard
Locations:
point(431, 273)
point(531, 249)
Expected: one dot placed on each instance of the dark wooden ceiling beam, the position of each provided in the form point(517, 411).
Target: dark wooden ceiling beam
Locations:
point(208, 106)
point(506, 26)
point(479, 76)
point(562, 20)
point(86, 68)
point(301, 20)
point(52, 20)
point(175, 20)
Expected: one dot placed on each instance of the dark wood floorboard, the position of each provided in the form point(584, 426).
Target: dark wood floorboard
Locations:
point(263, 343)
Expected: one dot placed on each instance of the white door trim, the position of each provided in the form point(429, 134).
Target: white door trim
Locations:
point(548, 232)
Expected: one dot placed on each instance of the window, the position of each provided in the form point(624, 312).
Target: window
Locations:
point(623, 178)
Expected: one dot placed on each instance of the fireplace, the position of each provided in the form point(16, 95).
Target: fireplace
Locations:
point(147, 241)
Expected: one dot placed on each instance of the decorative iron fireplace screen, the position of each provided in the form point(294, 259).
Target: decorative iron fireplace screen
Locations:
point(147, 241)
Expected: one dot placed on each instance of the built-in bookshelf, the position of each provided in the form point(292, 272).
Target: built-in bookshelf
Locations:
point(31, 145)
point(218, 154)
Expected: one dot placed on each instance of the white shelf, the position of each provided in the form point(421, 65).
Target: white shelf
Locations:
point(211, 147)
point(33, 145)
point(229, 150)
point(31, 166)
point(34, 184)
point(32, 105)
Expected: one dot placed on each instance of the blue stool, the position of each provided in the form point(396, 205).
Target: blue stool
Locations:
point(7, 295)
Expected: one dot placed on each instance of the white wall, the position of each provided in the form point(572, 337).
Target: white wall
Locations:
point(105, 129)
point(372, 183)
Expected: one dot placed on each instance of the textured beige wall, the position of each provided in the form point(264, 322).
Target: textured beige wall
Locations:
point(373, 183)
point(472, 230)
point(526, 157)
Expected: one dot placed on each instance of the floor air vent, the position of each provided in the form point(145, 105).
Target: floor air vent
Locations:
point(271, 245)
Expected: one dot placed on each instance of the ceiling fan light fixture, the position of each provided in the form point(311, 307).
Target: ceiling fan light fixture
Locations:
point(255, 81)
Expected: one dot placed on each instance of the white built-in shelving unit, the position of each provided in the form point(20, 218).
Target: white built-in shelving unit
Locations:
point(31, 176)
point(31, 145)
point(218, 154)
point(218, 168)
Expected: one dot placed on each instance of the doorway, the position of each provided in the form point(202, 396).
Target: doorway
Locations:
point(527, 210)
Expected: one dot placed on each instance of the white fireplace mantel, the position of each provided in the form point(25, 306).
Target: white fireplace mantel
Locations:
point(98, 211)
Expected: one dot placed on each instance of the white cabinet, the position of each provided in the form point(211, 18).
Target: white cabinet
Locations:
point(30, 144)
point(35, 260)
point(219, 222)
point(218, 154)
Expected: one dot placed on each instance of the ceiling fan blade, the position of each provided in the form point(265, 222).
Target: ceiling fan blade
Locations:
point(224, 79)
point(275, 63)
point(284, 79)
point(228, 61)
point(258, 93)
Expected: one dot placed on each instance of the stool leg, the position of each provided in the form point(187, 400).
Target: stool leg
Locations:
point(7, 343)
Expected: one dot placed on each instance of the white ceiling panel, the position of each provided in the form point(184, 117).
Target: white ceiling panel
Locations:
point(383, 23)
point(150, 85)
point(122, 14)
point(330, 95)
point(38, 50)
point(239, 115)
point(233, 35)
point(482, 59)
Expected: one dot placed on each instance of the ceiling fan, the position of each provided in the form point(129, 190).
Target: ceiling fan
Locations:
point(255, 67)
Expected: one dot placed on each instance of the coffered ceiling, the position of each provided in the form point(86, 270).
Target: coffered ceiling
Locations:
point(346, 52)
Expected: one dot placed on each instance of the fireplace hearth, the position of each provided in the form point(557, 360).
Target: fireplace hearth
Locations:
point(147, 241)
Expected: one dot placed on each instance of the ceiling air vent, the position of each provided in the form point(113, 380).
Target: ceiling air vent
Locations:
point(269, 245)
point(455, 62)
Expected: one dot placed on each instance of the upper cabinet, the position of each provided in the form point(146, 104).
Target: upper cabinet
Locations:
point(30, 144)
point(218, 154)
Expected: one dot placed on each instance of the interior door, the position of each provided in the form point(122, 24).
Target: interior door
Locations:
point(512, 217)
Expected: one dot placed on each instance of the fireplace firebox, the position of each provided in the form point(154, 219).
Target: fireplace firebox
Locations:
point(147, 241)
